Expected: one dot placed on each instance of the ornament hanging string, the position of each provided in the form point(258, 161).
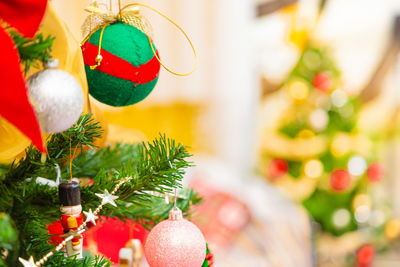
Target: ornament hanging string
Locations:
point(120, 16)
point(152, 47)
point(70, 158)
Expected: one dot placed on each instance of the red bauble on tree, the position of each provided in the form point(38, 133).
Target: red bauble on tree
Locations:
point(365, 255)
point(375, 172)
point(322, 82)
point(340, 180)
point(278, 168)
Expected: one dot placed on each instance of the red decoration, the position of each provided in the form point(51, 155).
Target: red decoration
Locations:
point(210, 259)
point(111, 234)
point(55, 230)
point(365, 256)
point(278, 168)
point(322, 82)
point(221, 216)
point(340, 180)
point(25, 16)
point(78, 218)
point(375, 172)
point(126, 71)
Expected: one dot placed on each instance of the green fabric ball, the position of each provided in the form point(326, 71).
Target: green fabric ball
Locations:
point(128, 71)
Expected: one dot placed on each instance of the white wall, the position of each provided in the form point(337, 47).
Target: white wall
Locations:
point(226, 78)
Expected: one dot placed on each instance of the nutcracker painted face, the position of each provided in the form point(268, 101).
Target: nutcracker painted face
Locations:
point(71, 210)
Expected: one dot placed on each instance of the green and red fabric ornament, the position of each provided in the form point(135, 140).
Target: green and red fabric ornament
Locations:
point(125, 70)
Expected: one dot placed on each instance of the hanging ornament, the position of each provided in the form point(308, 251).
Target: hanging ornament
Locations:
point(175, 242)
point(56, 97)
point(341, 218)
point(121, 62)
point(357, 165)
point(361, 199)
point(362, 214)
point(339, 98)
point(375, 172)
point(71, 218)
point(278, 168)
point(365, 255)
point(318, 119)
point(313, 168)
point(125, 71)
point(392, 229)
point(341, 144)
point(297, 90)
point(340, 180)
point(322, 82)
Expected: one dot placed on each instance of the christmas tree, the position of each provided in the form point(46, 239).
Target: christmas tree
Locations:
point(51, 183)
point(28, 206)
point(317, 153)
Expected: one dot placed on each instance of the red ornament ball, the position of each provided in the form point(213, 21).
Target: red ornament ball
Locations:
point(322, 82)
point(278, 168)
point(375, 172)
point(340, 180)
point(365, 254)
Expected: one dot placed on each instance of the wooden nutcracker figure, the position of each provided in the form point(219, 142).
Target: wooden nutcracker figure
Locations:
point(71, 216)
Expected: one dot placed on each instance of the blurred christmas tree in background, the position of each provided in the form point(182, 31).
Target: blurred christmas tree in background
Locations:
point(317, 154)
point(318, 150)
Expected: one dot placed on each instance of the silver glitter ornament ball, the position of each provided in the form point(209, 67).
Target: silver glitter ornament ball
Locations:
point(57, 99)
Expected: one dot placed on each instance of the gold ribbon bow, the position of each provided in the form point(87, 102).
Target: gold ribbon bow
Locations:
point(99, 17)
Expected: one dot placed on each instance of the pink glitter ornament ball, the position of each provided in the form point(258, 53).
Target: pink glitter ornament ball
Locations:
point(175, 242)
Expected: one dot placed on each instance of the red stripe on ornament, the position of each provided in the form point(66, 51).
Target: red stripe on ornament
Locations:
point(119, 67)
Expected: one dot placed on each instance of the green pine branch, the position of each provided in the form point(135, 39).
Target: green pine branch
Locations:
point(60, 260)
point(33, 51)
point(156, 166)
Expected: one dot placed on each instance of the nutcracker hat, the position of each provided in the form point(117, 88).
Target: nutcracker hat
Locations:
point(69, 193)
